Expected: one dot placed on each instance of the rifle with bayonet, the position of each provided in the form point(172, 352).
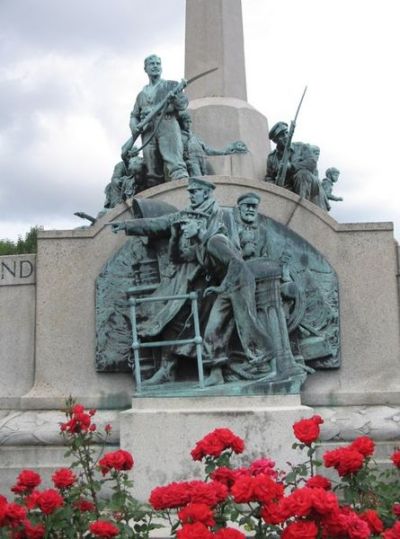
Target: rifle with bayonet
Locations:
point(284, 165)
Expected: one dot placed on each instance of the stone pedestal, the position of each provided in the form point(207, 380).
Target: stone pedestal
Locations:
point(160, 432)
point(221, 120)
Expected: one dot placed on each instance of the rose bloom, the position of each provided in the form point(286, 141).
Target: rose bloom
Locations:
point(209, 493)
point(364, 445)
point(27, 480)
point(63, 478)
point(224, 475)
point(324, 502)
point(371, 517)
point(194, 531)
point(264, 466)
point(170, 496)
point(31, 499)
point(392, 533)
point(33, 531)
point(319, 481)
point(119, 460)
point(84, 506)
point(103, 528)
point(14, 513)
point(229, 533)
point(302, 529)
point(299, 503)
point(272, 514)
point(78, 409)
point(355, 527)
point(49, 500)
point(344, 459)
point(217, 441)
point(243, 490)
point(266, 489)
point(396, 509)
point(396, 458)
point(307, 430)
point(197, 512)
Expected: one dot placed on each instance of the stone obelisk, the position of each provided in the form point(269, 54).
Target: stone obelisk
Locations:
point(218, 101)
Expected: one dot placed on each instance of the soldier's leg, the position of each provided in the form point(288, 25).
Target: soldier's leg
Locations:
point(171, 148)
point(152, 158)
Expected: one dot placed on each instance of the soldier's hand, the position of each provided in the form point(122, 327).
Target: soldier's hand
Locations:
point(116, 227)
point(213, 290)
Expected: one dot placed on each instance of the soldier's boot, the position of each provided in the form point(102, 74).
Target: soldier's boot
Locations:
point(166, 373)
point(215, 377)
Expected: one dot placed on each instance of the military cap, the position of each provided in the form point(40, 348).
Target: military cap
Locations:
point(277, 130)
point(248, 198)
point(195, 183)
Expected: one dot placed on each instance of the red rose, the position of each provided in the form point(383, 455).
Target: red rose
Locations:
point(14, 513)
point(344, 459)
point(103, 528)
point(272, 514)
point(78, 409)
point(307, 430)
point(217, 441)
point(319, 481)
point(264, 466)
point(49, 500)
point(324, 502)
point(194, 531)
point(31, 499)
point(33, 531)
point(197, 512)
point(229, 533)
point(170, 496)
point(224, 475)
point(299, 503)
point(266, 489)
point(371, 517)
point(84, 506)
point(63, 478)
point(119, 460)
point(392, 533)
point(108, 428)
point(396, 509)
point(302, 529)
point(364, 445)
point(396, 458)
point(243, 489)
point(355, 527)
point(26, 480)
point(209, 493)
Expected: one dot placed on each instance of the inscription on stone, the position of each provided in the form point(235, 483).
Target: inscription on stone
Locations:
point(17, 270)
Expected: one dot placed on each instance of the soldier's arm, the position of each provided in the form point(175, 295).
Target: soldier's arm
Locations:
point(152, 227)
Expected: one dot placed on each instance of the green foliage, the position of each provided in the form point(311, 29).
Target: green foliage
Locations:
point(22, 245)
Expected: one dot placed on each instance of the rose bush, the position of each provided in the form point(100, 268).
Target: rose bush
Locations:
point(231, 502)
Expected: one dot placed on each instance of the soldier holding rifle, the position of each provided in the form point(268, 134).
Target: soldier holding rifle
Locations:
point(294, 165)
point(161, 135)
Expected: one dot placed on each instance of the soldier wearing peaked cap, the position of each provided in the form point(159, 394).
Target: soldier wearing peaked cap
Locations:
point(302, 174)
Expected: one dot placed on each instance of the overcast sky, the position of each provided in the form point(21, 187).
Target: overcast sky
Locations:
point(70, 71)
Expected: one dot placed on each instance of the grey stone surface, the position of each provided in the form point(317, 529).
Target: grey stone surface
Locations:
point(218, 120)
point(17, 331)
point(161, 433)
point(214, 38)
point(17, 269)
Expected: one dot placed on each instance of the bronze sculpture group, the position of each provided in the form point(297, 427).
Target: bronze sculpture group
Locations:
point(263, 317)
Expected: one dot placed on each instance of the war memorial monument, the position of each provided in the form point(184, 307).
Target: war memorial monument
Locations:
point(213, 289)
